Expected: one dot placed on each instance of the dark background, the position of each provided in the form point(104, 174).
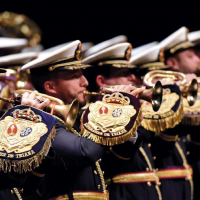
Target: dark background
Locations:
point(93, 20)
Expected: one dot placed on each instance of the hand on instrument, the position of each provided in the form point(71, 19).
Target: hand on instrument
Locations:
point(129, 89)
point(34, 101)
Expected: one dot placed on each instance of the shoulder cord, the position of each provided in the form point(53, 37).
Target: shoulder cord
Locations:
point(17, 193)
point(151, 169)
point(185, 164)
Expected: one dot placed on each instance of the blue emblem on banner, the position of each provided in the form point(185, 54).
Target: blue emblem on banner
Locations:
point(26, 131)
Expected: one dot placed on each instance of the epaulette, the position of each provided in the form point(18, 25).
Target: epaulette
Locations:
point(170, 113)
point(111, 120)
point(25, 138)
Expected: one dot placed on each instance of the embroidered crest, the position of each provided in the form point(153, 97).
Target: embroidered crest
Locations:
point(109, 118)
point(25, 138)
point(169, 114)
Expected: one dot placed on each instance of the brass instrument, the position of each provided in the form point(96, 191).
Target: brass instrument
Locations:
point(16, 25)
point(20, 78)
point(152, 95)
point(68, 113)
point(190, 92)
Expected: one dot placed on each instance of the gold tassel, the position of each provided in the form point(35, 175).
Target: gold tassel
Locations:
point(163, 124)
point(21, 166)
point(115, 140)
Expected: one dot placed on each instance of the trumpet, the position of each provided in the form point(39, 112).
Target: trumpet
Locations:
point(68, 113)
point(189, 91)
point(152, 95)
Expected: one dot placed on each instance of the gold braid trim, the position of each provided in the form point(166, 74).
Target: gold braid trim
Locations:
point(118, 156)
point(115, 140)
point(82, 196)
point(160, 125)
point(168, 138)
point(185, 164)
point(21, 166)
point(17, 193)
point(99, 171)
point(190, 140)
point(75, 132)
point(151, 169)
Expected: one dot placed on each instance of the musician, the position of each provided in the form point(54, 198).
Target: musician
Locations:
point(172, 160)
point(110, 69)
point(74, 170)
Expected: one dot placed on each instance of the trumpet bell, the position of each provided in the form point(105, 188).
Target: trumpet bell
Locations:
point(68, 113)
point(156, 99)
point(190, 92)
point(153, 95)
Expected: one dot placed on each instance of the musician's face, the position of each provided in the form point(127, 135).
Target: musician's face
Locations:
point(70, 85)
point(121, 76)
point(185, 61)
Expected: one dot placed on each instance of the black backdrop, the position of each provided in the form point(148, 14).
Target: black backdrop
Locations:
point(142, 21)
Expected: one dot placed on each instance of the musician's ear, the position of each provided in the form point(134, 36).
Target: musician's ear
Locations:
point(173, 63)
point(50, 87)
point(101, 81)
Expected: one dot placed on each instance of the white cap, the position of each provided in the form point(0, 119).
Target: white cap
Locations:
point(67, 57)
point(143, 48)
point(149, 55)
point(194, 37)
point(17, 59)
point(12, 43)
point(98, 47)
point(85, 46)
point(120, 51)
point(175, 38)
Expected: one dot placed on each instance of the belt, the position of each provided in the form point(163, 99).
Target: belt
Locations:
point(176, 173)
point(84, 196)
point(154, 176)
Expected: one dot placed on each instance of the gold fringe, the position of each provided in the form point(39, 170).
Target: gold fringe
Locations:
point(191, 120)
point(21, 166)
point(115, 140)
point(160, 125)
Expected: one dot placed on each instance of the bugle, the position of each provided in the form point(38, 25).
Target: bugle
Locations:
point(189, 91)
point(68, 113)
point(152, 95)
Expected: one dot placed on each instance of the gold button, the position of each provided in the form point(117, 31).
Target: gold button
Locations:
point(99, 160)
point(95, 172)
point(12, 191)
point(148, 183)
point(147, 169)
point(106, 186)
point(149, 145)
point(99, 187)
point(22, 190)
point(154, 158)
point(188, 152)
point(103, 172)
point(159, 184)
